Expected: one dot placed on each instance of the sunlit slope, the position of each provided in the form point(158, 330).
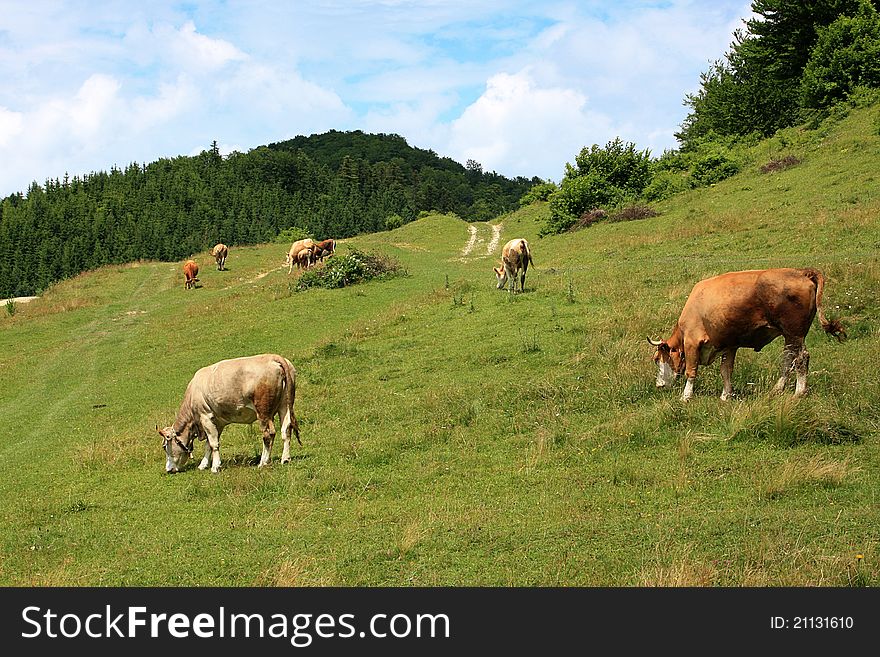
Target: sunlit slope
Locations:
point(454, 434)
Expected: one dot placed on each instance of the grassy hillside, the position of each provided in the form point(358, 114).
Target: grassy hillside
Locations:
point(453, 434)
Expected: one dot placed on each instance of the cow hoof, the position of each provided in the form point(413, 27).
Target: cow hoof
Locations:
point(215, 470)
point(285, 461)
point(203, 466)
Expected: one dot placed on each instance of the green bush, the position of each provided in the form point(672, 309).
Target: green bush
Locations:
point(713, 167)
point(349, 269)
point(600, 177)
point(539, 192)
point(668, 183)
point(393, 221)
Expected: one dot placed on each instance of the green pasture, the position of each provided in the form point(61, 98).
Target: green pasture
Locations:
point(455, 434)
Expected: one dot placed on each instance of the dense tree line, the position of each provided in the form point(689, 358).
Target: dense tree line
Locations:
point(794, 58)
point(333, 185)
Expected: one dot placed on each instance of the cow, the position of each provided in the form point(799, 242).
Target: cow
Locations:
point(305, 258)
point(220, 252)
point(234, 391)
point(516, 256)
point(745, 309)
point(295, 248)
point(323, 249)
point(190, 273)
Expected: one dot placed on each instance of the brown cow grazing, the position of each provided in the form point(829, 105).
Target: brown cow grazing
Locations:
point(294, 251)
point(323, 249)
point(190, 272)
point(235, 391)
point(515, 256)
point(745, 309)
point(220, 252)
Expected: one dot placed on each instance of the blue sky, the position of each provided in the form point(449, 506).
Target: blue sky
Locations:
point(521, 87)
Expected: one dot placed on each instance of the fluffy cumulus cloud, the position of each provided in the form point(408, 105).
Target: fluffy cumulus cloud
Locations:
point(524, 127)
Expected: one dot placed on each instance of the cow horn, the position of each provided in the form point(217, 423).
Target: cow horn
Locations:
point(655, 343)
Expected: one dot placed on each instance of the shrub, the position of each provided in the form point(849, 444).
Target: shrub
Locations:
point(667, 183)
point(393, 221)
point(633, 212)
point(780, 164)
point(349, 269)
point(714, 167)
point(600, 177)
point(539, 192)
point(587, 219)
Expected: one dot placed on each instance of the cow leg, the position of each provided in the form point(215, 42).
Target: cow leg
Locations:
point(286, 430)
point(691, 359)
point(206, 459)
point(268, 427)
point(789, 354)
point(213, 445)
point(727, 359)
point(801, 366)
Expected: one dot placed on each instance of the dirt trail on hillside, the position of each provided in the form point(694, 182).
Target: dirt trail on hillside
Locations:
point(496, 237)
point(18, 300)
point(473, 248)
point(471, 243)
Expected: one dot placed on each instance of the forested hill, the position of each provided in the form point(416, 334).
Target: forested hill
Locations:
point(336, 184)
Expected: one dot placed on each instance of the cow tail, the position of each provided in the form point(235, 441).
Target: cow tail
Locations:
point(833, 326)
point(290, 383)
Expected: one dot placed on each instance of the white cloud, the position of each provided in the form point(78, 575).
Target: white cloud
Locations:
point(10, 125)
point(525, 129)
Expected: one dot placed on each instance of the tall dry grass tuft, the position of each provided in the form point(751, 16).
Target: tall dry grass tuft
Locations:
point(797, 473)
point(785, 421)
point(680, 571)
point(411, 534)
point(293, 572)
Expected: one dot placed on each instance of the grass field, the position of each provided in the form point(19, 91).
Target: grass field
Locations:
point(455, 434)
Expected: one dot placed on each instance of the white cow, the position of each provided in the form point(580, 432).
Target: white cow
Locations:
point(515, 256)
point(295, 255)
point(235, 391)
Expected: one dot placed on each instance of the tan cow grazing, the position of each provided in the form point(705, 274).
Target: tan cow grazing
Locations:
point(305, 258)
point(220, 252)
point(294, 251)
point(323, 249)
point(190, 273)
point(745, 309)
point(235, 391)
point(516, 256)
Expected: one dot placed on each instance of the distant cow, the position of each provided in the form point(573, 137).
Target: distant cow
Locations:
point(745, 309)
point(220, 252)
point(190, 273)
point(235, 391)
point(305, 258)
point(516, 256)
point(323, 249)
point(295, 248)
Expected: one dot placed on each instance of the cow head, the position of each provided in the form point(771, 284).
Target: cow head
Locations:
point(501, 276)
point(178, 448)
point(670, 362)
